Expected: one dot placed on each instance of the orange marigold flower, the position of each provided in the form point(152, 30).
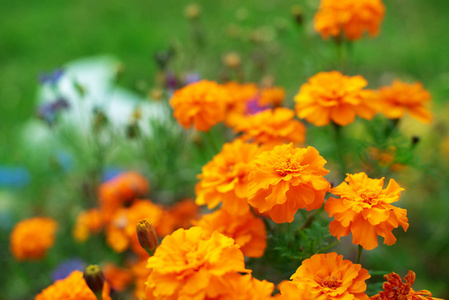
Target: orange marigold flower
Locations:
point(272, 96)
point(90, 221)
point(180, 215)
point(291, 291)
point(247, 230)
point(201, 104)
point(31, 238)
point(330, 276)
point(72, 288)
point(351, 17)
point(394, 289)
point(225, 178)
point(191, 264)
point(286, 179)
point(122, 189)
point(118, 278)
point(121, 231)
point(400, 97)
point(364, 208)
point(331, 96)
point(246, 287)
point(140, 273)
point(271, 127)
point(241, 93)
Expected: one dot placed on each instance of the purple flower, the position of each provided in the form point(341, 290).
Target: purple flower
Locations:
point(66, 267)
point(51, 78)
point(48, 111)
point(191, 77)
point(253, 106)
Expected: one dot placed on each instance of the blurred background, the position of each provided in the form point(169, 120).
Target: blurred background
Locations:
point(126, 44)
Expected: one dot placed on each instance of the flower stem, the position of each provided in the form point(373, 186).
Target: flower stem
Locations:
point(359, 254)
point(339, 146)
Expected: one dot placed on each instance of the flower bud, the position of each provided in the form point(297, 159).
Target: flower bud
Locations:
point(192, 11)
point(147, 236)
point(232, 60)
point(94, 277)
point(297, 14)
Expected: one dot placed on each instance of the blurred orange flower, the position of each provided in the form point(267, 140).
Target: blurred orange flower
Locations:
point(118, 278)
point(330, 276)
point(122, 189)
point(87, 222)
point(31, 238)
point(241, 93)
point(201, 104)
point(121, 231)
point(331, 96)
point(247, 230)
point(394, 289)
point(271, 127)
point(180, 215)
point(225, 178)
point(191, 264)
point(351, 17)
point(72, 288)
point(286, 179)
point(364, 208)
point(141, 274)
point(272, 96)
point(400, 97)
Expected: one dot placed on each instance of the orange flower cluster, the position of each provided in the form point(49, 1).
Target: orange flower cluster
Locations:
point(286, 179)
point(331, 96)
point(272, 96)
point(31, 238)
point(192, 264)
point(351, 17)
point(394, 289)
point(201, 104)
point(241, 93)
point(72, 288)
point(247, 230)
point(88, 222)
point(246, 287)
point(326, 276)
point(121, 190)
point(271, 127)
point(364, 208)
point(225, 178)
point(118, 278)
point(395, 100)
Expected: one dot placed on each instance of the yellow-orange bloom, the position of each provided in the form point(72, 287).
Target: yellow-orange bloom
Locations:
point(286, 179)
point(225, 178)
point(140, 273)
point(192, 264)
point(291, 291)
point(31, 238)
point(271, 127)
point(246, 287)
point(241, 93)
point(121, 232)
point(331, 96)
point(272, 96)
point(201, 104)
point(90, 221)
point(122, 189)
point(330, 276)
point(364, 208)
point(118, 278)
point(394, 289)
point(72, 288)
point(400, 97)
point(179, 215)
point(351, 17)
point(247, 230)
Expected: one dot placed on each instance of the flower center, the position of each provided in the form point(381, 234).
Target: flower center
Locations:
point(288, 167)
point(331, 282)
point(367, 195)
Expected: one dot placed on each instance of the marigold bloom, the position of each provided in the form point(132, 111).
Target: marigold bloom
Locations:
point(246, 287)
point(364, 208)
point(241, 93)
point(121, 232)
point(118, 278)
point(225, 178)
point(394, 289)
point(351, 17)
point(201, 104)
point(331, 96)
point(140, 273)
point(271, 127)
point(331, 276)
point(247, 230)
point(291, 291)
point(31, 238)
point(286, 179)
point(191, 264)
point(73, 287)
point(122, 189)
point(400, 97)
point(87, 222)
point(272, 96)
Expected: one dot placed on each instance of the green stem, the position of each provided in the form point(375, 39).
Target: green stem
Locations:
point(215, 148)
point(328, 247)
point(359, 254)
point(339, 145)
